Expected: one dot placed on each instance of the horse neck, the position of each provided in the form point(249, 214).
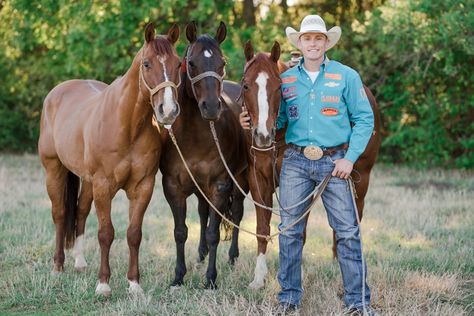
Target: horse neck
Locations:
point(133, 106)
point(188, 103)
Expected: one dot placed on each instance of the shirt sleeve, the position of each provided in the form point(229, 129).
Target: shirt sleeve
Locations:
point(360, 115)
point(282, 118)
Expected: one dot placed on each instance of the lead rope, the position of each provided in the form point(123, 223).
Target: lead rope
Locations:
point(353, 191)
point(321, 187)
point(216, 140)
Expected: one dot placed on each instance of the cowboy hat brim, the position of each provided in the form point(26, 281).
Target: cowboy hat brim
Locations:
point(334, 34)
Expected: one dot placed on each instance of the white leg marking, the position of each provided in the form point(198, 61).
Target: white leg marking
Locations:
point(168, 104)
point(135, 288)
point(262, 103)
point(103, 289)
point(207, 53)
point(80, 263)
point(261, 271)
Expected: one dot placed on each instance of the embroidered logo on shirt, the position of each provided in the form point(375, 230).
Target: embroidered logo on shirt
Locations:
point(293, 111)
point(288, 90)
point(331, 84)
point(329, 111)
point(330, 99)
point(289, 79)
point(332, 76)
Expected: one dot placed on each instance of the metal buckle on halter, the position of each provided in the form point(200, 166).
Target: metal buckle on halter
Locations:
point(313, 152)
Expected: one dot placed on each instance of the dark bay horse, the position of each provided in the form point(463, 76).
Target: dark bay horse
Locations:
point(199, 99)
point(104, 136)
point(261, 98)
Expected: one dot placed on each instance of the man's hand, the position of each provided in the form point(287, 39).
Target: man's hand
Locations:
point(244, 119)
point(343, 168)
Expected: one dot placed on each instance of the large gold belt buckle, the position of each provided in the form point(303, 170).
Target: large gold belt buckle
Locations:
point(313, 152)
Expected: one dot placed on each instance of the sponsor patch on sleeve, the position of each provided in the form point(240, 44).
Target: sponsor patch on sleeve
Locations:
point(289, 79)
point(332, 76)
point(329, 111)
point(293, 111)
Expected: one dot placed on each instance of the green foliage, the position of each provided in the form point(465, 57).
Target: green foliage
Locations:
point(415, 55)
point(418, 56)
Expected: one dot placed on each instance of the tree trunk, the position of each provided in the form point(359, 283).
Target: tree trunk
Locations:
point(249, 13)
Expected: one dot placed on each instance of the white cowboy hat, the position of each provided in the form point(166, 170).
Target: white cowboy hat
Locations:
point(314, 24)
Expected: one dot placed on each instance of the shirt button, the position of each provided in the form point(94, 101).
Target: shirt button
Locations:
point(310, 117)
point(310, 130)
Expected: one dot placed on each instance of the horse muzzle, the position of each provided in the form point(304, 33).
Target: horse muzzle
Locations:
point(210, 110)
point(166, 115)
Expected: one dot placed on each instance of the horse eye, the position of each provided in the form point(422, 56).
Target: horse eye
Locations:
point(192, 64)
point(146, 64)
point(246, 87)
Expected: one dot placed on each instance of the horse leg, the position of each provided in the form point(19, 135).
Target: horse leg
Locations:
point(237, 208)
point(263, 228)
point(103, 203)
point(203, 209)
point(56, 175)
point(220, 201)
point(84, 208)
point(139, 199)
point(177, 201)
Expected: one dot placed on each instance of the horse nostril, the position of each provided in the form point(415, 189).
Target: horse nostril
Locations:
point(160, 109)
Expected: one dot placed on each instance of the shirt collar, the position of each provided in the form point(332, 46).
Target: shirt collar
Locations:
point(323, 65)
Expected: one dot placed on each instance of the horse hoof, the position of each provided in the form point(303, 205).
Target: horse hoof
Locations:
point(176, 284)
point(256, 284)
point(210, 285)
point(135, 289)
point(56, 273)
point(80, 264)
point(103, 289)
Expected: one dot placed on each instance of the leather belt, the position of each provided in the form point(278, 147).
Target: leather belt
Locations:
point(326, 151)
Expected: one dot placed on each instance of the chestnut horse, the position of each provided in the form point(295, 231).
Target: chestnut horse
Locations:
point(199, 99)
point(105, 136)
point(261, 98)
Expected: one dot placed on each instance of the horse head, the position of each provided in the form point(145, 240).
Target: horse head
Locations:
point(159, 72)
point(261, 92)
point(205, 70)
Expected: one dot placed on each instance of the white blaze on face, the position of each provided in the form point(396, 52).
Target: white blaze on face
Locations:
point(168, 103)
point(262, 103)
point(207, 53)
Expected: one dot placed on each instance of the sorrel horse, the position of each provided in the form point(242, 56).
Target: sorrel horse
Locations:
point(261, 98)
point(199, 99)
point(105, 136)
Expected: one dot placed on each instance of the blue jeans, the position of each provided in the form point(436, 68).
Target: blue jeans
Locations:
point(298, 178)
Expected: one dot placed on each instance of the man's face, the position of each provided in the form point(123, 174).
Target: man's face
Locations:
point(313, 45)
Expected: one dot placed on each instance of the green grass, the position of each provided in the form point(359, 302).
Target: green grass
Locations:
point(417, 231)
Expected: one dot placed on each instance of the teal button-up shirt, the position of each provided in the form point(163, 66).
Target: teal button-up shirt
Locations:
point(321, 113)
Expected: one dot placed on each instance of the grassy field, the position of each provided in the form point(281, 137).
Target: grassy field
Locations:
point(417, 230)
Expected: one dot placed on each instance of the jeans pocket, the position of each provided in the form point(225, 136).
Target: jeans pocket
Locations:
point(289, 153)
point(337, 155)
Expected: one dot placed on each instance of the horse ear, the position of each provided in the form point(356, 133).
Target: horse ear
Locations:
point(191, 32)
point(248, 51)
point(275, 54)
point(149, 32)
point(173, 33)
point(221, 33)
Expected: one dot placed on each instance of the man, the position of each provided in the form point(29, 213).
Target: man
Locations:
point(321, 101)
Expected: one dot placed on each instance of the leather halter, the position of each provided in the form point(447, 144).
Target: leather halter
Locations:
point(202, 75)
point(164, 84)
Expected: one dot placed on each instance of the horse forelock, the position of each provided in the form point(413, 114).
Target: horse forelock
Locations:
point(208, 43)
point(163, 47)
point(263, 63)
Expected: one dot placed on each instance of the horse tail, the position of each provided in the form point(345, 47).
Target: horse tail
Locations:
point(71, 191)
